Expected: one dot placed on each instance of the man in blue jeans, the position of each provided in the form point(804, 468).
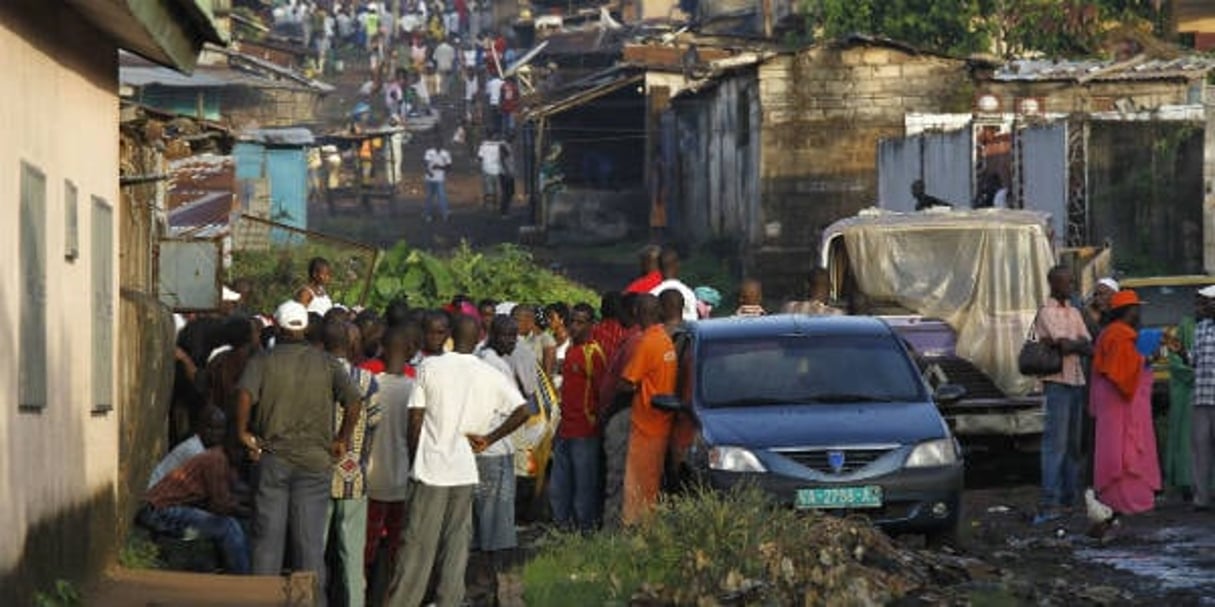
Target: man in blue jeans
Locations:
point(437, 161)
point(295, 387)
point(195, 499)
point(1059, 324)
point(575, 488)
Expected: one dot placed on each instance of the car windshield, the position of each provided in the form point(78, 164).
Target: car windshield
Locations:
point(806, 369)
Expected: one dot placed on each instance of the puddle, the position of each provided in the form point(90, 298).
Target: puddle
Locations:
point(1176, 558)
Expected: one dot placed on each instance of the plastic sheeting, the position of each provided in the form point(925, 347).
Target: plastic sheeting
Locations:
point(982, 272)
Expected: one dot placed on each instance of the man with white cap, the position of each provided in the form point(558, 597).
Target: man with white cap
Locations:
point(294, 387)
point(1097, 313)
point(1202, 417)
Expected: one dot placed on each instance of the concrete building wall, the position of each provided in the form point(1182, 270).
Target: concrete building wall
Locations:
point(823, 112)
point(58, 464)
point(1068, 97)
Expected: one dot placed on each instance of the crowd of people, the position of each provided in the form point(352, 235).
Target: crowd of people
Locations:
point(439, 63)
point(381, 448)
point(1099, 430)
point(384, 449)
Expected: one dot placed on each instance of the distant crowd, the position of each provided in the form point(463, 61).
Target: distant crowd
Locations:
point(381, 448)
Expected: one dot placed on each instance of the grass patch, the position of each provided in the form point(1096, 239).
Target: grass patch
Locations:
point(708, 548)
point(64, 594)
point(139, 552)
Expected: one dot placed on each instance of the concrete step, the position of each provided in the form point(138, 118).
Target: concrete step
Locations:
point(156, 588)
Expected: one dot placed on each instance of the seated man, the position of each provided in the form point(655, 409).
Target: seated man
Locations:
point(195, 500)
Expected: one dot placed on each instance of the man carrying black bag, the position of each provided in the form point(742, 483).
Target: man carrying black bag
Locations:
point(1059, 325)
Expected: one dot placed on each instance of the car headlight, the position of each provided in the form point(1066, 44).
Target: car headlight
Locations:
point(734, 459)
point(940, 452)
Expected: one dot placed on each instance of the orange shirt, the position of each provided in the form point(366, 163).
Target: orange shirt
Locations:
point(654, 369)
point(1116, 358)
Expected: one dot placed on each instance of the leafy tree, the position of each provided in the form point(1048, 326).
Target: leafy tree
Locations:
point(1006, 27)
point(1066, 27)
point(942, 25)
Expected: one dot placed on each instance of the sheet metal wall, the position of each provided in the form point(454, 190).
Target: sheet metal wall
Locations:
point(943, 160)
point(1043, 168)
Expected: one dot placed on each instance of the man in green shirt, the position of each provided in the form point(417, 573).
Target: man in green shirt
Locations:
point(294, 387)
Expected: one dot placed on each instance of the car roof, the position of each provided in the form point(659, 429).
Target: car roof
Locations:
point(784, 324)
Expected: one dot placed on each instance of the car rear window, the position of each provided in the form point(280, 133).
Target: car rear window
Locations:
point(806, 369)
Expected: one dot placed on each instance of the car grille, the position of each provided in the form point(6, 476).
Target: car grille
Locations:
point(964, 373)
point(854, 459)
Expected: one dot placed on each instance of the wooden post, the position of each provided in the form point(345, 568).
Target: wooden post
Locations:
point(766, 6)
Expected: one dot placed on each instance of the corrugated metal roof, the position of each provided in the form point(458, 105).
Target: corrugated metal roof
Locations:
point(1139, 68)
point(247, 71)
point(163, 76)
point(213, 208)
point(295, 136)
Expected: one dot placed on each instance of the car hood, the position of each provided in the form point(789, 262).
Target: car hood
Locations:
point(806, 425)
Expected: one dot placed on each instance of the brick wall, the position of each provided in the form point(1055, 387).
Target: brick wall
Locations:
point(823, 112)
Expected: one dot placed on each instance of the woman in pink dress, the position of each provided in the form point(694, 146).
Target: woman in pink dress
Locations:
point(1126, 473)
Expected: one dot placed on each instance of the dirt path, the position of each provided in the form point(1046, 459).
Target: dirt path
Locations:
point(1166, 556)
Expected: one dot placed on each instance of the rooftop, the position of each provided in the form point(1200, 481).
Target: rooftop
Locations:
point(1092, 70)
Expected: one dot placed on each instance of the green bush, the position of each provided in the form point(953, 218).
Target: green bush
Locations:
point(279, 272)
point(709, 548)
point(505, 273)
point(63, 595)
point(139, 552)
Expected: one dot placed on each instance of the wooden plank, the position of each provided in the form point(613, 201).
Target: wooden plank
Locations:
point(669, 56)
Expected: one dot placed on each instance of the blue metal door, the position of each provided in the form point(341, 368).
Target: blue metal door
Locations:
point(287, 170)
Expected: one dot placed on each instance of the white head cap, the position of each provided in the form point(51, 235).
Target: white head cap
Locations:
point(230, 295)
point(1208, 292)
point(1110, 284)
point(291, 315)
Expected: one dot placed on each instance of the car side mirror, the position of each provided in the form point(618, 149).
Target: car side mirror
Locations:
point(666, 402)
point(949, 393)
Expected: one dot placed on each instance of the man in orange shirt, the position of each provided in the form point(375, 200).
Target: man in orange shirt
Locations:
point(650, 372)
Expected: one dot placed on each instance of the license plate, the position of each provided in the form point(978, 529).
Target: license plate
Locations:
point(839, 497)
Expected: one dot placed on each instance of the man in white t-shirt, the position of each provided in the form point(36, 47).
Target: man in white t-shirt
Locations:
point(437, 161)
point(493, 94)
point(445, 65)
point(451, 410)
point(494, 501)
point(668, 264)
point(490, 154)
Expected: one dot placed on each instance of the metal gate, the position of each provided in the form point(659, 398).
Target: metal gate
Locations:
point(944, 160)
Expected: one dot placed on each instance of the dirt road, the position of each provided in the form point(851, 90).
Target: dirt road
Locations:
point(1165, 557)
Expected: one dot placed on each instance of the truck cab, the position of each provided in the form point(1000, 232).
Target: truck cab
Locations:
point(961, 289)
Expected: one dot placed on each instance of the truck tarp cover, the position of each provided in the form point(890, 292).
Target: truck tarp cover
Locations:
point(982, 272)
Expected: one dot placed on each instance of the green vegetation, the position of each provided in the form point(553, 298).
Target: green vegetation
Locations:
point(279, 272)
point(63, 595)
point(504, 272)
point(1007, 27)
point(140, 552)
point(710, 548)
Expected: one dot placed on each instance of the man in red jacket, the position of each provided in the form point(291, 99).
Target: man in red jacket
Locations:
point(577, 456)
